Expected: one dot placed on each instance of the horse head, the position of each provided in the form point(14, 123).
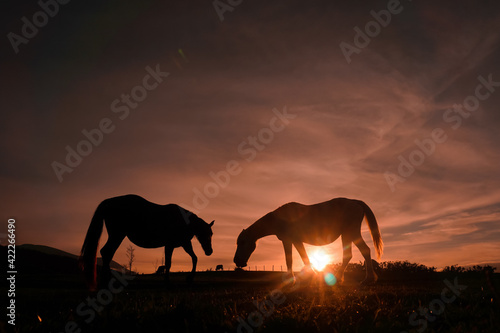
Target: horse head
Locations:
point(245, 248)
point(204, 235)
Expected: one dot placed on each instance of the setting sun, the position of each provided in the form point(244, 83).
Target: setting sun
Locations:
point(319, 259)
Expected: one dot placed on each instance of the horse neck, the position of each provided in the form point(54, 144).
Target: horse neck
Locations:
point(194, 225)
point(264, 226)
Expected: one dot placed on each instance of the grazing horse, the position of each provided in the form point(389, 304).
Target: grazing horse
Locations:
point(319, 224)
point(147, 225)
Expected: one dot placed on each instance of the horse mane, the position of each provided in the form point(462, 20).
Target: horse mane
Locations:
point(194, 220)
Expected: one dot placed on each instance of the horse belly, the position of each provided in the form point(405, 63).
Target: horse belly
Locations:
point(320, 229)
point(153, 235)
point(320, 238)
point(148, 243)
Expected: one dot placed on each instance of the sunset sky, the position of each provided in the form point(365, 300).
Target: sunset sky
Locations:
point(358, 123)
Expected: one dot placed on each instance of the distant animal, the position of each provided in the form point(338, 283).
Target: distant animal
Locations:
point(219, 268)
point(147, 225)
point(318, 224)
point(161, 270)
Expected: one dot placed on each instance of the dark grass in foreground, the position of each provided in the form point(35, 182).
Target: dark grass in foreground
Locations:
point(260, 302)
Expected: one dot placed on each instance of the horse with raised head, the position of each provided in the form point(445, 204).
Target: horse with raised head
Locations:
point(318, 224)
point(147, 225)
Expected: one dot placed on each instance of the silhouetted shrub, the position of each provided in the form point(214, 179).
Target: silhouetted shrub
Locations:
point(405, 267)
point(476, 269)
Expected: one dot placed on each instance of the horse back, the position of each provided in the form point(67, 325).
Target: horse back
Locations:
point(320, 223)
point(145, 223)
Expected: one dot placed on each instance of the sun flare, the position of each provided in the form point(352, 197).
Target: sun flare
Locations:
point(319, 259)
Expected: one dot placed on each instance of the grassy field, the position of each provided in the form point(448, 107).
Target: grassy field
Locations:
point(260, 302)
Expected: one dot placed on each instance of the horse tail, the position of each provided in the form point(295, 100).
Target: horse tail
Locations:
point(374, 230)
point(88, 256)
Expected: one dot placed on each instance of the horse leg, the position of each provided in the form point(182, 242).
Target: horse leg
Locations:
point(346, 257)
point(287, 246)
point(288, 278)
point(168, 262)
point(303, 254)
point(371, 277)
point(188, 247)
point(107, 253)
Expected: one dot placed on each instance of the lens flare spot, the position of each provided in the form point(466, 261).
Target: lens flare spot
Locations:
point(183, 55)
point(330, 279)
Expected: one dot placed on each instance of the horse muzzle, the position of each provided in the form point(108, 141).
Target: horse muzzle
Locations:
point(209, 252)
point(239, 263)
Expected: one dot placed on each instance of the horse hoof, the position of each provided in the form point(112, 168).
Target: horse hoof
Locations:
point(289, 280)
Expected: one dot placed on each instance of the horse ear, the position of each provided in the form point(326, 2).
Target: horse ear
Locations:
point(212, 223)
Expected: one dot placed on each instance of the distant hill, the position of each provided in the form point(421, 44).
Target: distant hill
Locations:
point(47, 250)
point(41, 259)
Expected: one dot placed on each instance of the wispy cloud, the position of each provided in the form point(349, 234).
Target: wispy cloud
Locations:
point(353, 121)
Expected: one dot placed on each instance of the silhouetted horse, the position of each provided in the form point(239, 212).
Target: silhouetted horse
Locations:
point(319, 224)
point(147, 225)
